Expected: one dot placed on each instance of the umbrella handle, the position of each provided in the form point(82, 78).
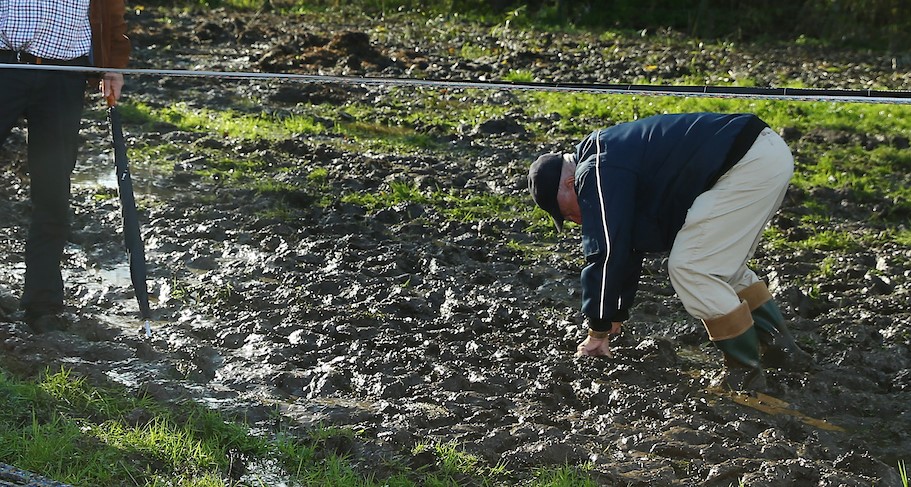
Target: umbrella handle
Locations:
point(110, 99)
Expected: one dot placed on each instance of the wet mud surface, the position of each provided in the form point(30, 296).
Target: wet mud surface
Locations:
point(415, 328)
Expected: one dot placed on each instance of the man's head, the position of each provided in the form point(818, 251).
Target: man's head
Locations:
point(550, 182)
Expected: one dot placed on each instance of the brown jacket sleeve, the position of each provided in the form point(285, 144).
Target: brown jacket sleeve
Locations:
point(110, 44)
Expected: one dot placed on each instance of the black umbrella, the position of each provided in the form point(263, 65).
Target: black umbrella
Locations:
point(131, 237)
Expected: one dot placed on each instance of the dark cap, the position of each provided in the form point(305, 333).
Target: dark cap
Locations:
point(543, 183)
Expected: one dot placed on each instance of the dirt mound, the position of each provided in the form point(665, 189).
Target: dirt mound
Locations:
point(310, 53)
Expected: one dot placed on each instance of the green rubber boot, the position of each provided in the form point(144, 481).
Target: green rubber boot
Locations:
point(779, 350)
point(743, 371)
point(738, 340)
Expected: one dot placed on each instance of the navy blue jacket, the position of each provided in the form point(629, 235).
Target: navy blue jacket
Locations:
point(635, 183)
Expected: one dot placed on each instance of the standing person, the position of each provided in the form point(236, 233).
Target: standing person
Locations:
point(700, 185)
point(66, 33)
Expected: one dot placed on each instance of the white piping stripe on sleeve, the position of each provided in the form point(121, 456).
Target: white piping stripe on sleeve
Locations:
point(602, 303)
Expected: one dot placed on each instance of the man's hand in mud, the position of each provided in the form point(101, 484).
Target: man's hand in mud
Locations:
point(598, 346)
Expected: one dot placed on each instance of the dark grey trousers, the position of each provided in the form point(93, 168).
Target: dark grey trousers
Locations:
point(51, 103)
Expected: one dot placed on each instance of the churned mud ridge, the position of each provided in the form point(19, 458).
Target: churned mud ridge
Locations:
point(412, 327)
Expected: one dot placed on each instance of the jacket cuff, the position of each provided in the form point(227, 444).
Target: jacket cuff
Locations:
point(600, 324)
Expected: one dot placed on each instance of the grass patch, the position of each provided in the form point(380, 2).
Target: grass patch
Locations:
point(430, 111)
point(358, 126)
point(237, 4)
point(64, 428)
point(59, 426)
point(566, 476)
point(519, 76)
point(228, 123)
point(580, 109)
point(902, 237)
point(154, 154)
point(820, 239)
point(460, 206)
point(455, 464)
point(475, 52)
point(390, 138)
point(881, 175)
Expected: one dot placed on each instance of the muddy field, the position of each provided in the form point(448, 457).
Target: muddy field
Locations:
point(414, 328)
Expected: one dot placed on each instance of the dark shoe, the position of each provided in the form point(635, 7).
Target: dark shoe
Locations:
point(8, 305)
point(779, 350)
point(45, 322)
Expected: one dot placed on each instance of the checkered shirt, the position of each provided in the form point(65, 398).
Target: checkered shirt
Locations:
point(52, 29)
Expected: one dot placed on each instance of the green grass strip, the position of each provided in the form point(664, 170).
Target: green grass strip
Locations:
point(62, 427)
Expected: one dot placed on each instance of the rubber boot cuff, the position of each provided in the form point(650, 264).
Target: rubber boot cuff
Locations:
point(755, 295)
point(730, 325)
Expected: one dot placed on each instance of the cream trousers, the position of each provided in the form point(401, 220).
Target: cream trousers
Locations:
point(708, 261)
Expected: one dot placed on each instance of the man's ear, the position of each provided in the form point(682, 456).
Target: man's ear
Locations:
point(570, 182)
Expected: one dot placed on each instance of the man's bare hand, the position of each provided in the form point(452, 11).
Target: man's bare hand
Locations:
point(111, 86)
point(595, 347)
